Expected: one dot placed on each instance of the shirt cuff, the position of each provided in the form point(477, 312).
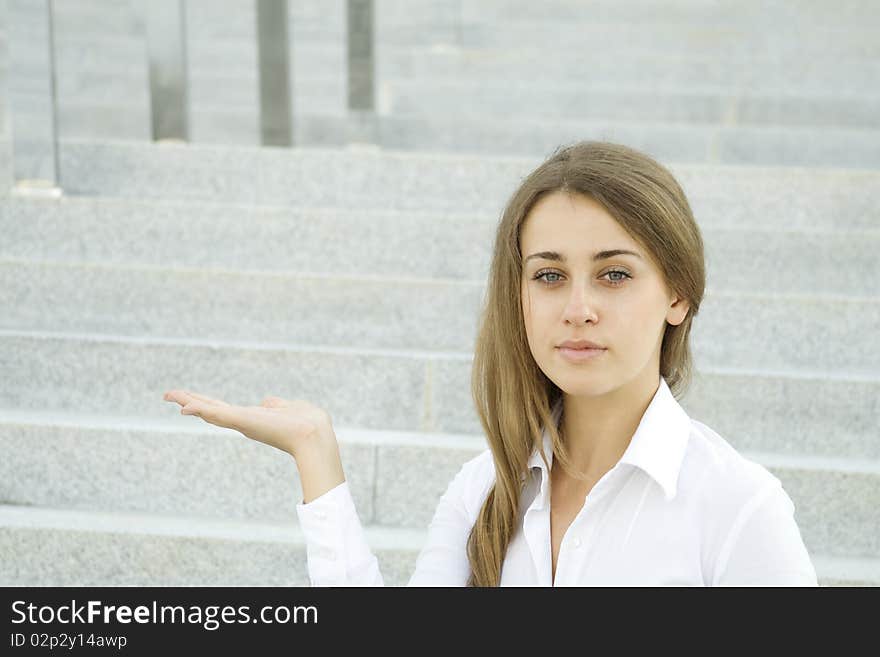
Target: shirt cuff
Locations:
point(336, 549)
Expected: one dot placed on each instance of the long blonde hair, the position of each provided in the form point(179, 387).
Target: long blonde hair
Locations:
point(513, 397)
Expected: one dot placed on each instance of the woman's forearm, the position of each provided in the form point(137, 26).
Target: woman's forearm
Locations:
point(320, 468)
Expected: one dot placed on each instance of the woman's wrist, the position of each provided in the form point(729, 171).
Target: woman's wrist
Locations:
point(320, 467)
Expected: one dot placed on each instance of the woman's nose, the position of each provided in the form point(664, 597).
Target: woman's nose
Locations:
point(581, 306)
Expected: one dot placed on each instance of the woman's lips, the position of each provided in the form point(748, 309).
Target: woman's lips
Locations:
point(580, 355)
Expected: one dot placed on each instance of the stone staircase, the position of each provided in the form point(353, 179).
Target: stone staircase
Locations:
point(240, 271)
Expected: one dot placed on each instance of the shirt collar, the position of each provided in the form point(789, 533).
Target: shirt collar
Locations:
point(657, 446)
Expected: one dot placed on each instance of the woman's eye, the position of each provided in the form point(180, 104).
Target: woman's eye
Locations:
point(617, 281)
point(615, 276)
point(546, 273)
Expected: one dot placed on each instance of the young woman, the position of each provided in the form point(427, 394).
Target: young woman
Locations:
point(594, 474)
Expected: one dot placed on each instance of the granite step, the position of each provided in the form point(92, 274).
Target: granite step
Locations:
point(368, 178)
point(784, 332)
point(154, 235)
point(817, 413)
point(805, 32)
point(55, 547)
point(131, 464)
point(685, 13)
point(776, 145)
point(429, 96)
point(458, 71)
point(220, 104)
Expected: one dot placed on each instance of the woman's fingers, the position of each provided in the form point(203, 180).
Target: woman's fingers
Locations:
point(195, 395)
point(184, 397)
point(222, 415)
point(209, 400)
point(287, 424)
point(211, 410)
point(274, 402)
point(227, 416)
point(218, 412)
point(179, 396)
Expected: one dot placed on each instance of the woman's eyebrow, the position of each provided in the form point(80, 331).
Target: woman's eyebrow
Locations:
point(599, 255)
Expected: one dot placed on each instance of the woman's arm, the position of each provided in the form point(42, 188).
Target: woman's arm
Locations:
point(336, 547)
point(338, 553)
point(320, 467)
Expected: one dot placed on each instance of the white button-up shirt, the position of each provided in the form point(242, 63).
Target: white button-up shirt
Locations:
point(680, 508)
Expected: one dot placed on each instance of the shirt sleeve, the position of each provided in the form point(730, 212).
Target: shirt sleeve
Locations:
point(764, 546)
point(337, 552)
point(443, 560)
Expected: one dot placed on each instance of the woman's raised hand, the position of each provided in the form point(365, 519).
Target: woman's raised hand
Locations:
point(296, 426)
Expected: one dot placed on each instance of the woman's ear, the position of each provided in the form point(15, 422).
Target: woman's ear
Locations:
point(678, 310)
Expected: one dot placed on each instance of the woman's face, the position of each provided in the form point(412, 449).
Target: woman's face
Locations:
point(578, 297)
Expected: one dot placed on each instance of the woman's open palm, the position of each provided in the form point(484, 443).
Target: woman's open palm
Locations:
point(288, 425)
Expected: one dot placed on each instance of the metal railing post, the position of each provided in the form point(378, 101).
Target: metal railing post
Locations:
point(33, 99)
point(165, 22)
point(273, 72)
point(360, 54)
point(361, 70)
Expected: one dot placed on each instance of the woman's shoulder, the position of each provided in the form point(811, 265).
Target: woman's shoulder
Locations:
point(473, 481)
point(741, 508)
point(479, 471)
point(715, 472)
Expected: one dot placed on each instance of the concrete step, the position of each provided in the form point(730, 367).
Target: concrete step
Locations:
point(695, 143)
point(678, 142)
point(125, 56)
point(101, 230)
point(104, 69)
point(724, 56)
point(321, 121)
point(236, 19)
point(474, 98)
point(446, 28)
point(112, 67)
point(694, 25)
point(790, 333)
point(760, 72)
point(148, 236)
point(207, 124)
point(55, 547)
point(219, 89)
point(84, 110)
point(112, 463)
point(674, 13)
point(184, 465)
point(91, 120)
point(224, 41)
point(367, 179)
point(309, 20)
point(673, 142)
point(851, 571)
point(817, 413)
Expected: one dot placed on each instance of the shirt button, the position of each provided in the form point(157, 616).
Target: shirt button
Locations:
point(321, 515)
point(577, 543)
